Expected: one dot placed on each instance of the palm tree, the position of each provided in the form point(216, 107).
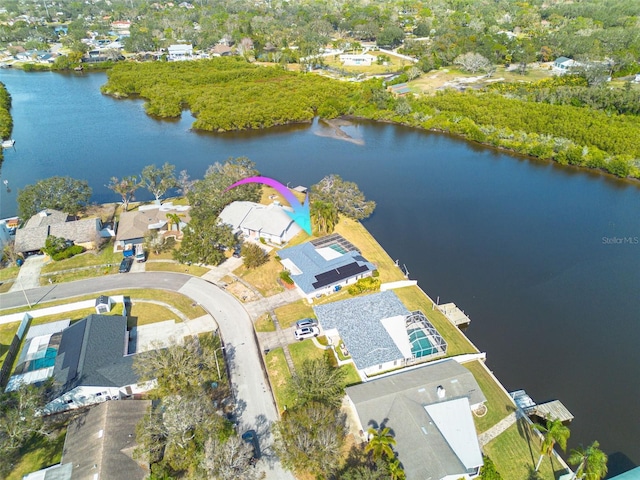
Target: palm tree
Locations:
point(380, 443)
point(554, 432)
point(175, 219)
point(591, 462)
point(396, 472)
point(324, 216)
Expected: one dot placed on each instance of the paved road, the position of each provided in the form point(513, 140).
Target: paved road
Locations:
point(255, 407)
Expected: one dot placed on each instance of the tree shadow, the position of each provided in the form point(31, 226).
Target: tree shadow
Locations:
point(524, 429)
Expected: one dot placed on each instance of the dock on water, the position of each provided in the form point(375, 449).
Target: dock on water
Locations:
point(454, 314)
point(553, 409)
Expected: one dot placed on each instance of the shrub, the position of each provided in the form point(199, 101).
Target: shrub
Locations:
point(285, 276)
point(489, 471)
point(375, 273)
point(253, 255)
point(368, 284)
point(67, 253)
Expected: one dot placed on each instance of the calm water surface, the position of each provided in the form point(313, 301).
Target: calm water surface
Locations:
point(520, 245)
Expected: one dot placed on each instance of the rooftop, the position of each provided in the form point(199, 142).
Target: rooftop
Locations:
point(314, 267)
point(266, 219)
point(137, 223)
point(428, 410)
point(359, 322)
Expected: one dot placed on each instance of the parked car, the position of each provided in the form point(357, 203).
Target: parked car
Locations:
point(250, 436)
point(306, 332)
point(306, 322)
point(237, 251)
point(125, 264)
point(140, 255)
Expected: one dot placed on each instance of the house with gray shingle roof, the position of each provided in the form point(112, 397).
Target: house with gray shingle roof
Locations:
point(93, 365)
point(32, 237)
point(321, 268)
point(429, 411)
point(254, 220)
point(99, 444)
point(380, 333)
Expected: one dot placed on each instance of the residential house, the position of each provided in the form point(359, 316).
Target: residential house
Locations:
point(357, 60)
point(325, 265)
point(93, 365)
point(380, 333)
point(563, 65)
point(136, 224)
point(179, 52)
point(429, 410)
point(254, 220)
point(221, 50)
point(99, 444)
point(31, 238)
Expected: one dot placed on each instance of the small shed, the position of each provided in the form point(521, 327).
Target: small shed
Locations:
point(103, 304)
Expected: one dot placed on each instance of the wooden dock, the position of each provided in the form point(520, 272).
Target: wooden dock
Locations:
point(454, 314)
point(553, 409)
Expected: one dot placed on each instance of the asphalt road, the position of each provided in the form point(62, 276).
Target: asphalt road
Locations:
point(254, 402)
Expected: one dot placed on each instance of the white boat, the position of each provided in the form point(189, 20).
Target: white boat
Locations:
point(8, 143)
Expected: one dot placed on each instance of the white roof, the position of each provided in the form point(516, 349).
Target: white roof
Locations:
point(453, 419)
point(269, 220)
point(396, 327)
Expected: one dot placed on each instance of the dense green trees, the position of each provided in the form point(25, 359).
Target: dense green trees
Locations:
point(205, 240)
point(60, 193)
point(345, 196)
point(6, 121)
point(158, 180)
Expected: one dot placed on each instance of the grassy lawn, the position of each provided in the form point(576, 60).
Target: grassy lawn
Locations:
point(304, 350)
point(516, 451)
point(176, 267)
point(182, 303)
point(352, 376)
point(499, 405)
point(394, 64)
point(143, 313)
point(37, 455)
point(167, 255)
point(5, 286)
point(415, 299)
point(370, 249)
point(7, 332)
point(106, 255)
point(279, 376)
point(265, 277)
point(8, 272)
point(67, 276)
point(289, 314)
point(265, 324)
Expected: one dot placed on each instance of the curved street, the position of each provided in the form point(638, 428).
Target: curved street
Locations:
point(255, 407)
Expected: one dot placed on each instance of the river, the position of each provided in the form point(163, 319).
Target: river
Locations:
point(541, 257)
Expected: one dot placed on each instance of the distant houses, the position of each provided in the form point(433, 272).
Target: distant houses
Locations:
point(357, 60)
point(563, 65)
point(177, 53)
point(325, 265)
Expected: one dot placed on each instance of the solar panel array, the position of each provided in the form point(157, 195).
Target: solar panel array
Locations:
point(337, 274)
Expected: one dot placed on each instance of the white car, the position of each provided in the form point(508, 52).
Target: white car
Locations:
point(306, 332)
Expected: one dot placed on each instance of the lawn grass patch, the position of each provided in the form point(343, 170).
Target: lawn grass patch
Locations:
point(181, 302)
point(105, 256)
point(291, 313)
point(176, 267)
point(7, 332)
point(37, 454)
point(6, 286)
point(265, 277)
point(352, 377)
point(8, 272)
point(70, 276)
point(265, 324)
point(499, 404)
point(415, 299)
point(304, 350)
point(145, 313)
point(279, 376)
point(516, 451)
point(353, 231)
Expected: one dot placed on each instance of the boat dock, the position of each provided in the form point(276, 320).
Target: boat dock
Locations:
point(553, 409)
point(454, 314)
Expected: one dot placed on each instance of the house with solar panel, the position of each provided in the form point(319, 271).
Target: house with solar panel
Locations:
point(380, 333)
point(325, 265)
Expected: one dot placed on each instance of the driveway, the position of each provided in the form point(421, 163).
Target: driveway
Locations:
point(254, 401)
point(29, 274)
